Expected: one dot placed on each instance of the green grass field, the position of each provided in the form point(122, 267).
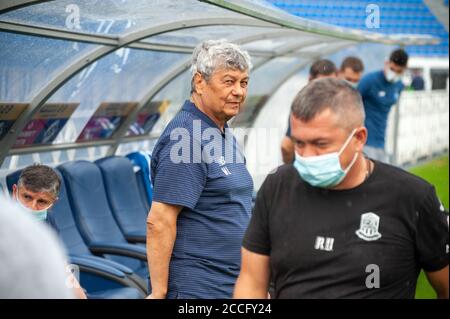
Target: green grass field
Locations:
point(435, 172)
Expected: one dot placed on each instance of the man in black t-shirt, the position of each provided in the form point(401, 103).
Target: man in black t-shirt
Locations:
point(337, 224)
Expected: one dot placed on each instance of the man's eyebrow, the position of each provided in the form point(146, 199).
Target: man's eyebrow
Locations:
point(312, 141)
point(229, 76)
point(235, 78)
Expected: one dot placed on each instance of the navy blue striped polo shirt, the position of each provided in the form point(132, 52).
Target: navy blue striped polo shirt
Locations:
point(197, 166)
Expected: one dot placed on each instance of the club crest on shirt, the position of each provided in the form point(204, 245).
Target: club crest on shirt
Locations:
point(368, 229)
point(222, 163)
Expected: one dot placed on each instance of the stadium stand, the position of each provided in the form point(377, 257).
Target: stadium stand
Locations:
point(410, 16)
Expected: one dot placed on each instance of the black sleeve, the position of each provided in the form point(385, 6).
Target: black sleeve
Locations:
point(432, 234)
point(257, 236)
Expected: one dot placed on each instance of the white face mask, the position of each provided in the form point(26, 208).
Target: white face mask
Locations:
point(391, 76)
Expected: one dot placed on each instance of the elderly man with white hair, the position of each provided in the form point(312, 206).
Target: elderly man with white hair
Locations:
point(202, 189)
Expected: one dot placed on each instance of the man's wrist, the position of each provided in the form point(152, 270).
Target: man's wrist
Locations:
point(159, 294)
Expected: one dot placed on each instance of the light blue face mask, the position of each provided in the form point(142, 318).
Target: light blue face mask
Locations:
point(38, 214)
point(352, 84)
point(324, 171)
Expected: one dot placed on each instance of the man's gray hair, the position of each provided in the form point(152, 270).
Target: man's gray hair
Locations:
point(212, 55)
point(330, 93)
point(39, 178)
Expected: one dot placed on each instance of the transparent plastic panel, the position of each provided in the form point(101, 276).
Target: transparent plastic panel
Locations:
point(113, 17)
point(104, 93)
point(276, 44)
point(193, 36)
point(260, 87)
point(27, 63)
point(162, 108)
point(167, 102)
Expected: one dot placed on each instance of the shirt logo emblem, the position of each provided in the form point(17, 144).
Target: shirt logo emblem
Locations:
point(226, 171)
point(221, 161)
point(368, 229)
point(382, 94)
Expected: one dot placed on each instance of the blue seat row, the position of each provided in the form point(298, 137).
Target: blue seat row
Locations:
point(101, 218)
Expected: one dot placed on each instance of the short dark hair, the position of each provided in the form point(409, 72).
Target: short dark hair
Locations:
point(330, 93)
point(322, 67)
point(353, 63)
point(399, 57)
point(40, 178)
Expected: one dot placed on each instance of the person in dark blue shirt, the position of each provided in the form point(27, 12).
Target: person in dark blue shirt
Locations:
point(380, 90)
point(418, 83)
point(202, 190)
point(351, 70)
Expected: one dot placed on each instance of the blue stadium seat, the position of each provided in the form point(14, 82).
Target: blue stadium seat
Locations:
point(124, 197)
point(95, 273)
point(141, 162)
point(12, 179)
point(105, 282)
point(118, 293)
point(95, 219)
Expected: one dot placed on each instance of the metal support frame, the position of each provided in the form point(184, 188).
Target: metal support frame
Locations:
point(108, 44)
point(45, 93)
point(66, 73)
point(119, 135)
point(294, 71)
point(122, 130)
point(302, 65)
point(10, 5)
point(60, 147)
point(59, 34)
point(115, 43)
point(67, 35)
point(394, 155)
point(115, 142)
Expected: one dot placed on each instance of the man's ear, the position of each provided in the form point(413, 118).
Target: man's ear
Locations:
point(361, 138)
point(14, 190)
point(199, 83)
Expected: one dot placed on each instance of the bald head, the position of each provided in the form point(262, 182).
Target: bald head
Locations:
point(329, 93)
